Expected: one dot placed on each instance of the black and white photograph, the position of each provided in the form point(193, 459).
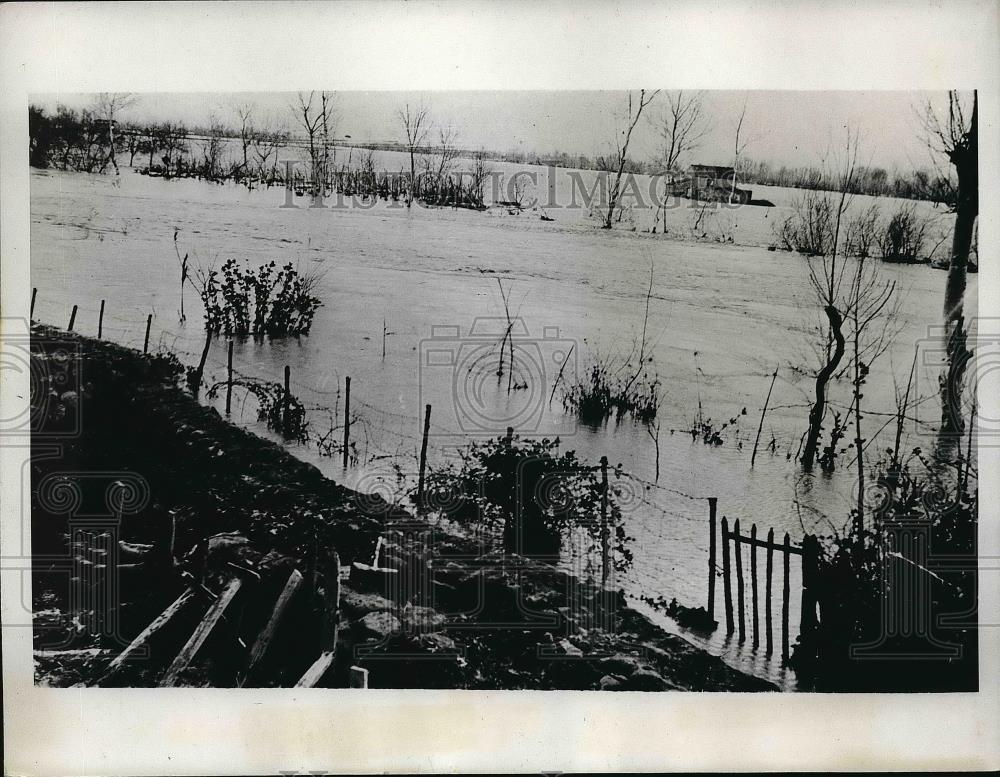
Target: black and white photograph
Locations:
point(660, 388)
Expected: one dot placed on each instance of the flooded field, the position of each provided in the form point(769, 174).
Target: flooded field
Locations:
point(722, 317)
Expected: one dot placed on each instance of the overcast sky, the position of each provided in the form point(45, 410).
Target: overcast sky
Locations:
point(795, 128)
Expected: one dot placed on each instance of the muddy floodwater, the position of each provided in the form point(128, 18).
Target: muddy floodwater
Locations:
point(722, 317)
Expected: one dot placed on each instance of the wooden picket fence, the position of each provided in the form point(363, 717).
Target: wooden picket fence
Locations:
point(733, 541)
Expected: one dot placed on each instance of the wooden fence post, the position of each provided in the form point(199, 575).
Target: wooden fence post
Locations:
point(753, 584)
point(713, 503)
point(810, 561)
point(145, 343)
point(285, 400)
point(72, 319)
point(100, 322)
point(726, 577)
point(423, 455)
point(34, 294)
point(741, 614)
point(605, 538)
point(767, 594)
point(229, 380)
point(786, 550)
point(347, 416)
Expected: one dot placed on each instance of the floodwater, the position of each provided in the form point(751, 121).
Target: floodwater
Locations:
point(722, 317)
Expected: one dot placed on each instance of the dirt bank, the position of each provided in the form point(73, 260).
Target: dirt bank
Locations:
point(167, 474)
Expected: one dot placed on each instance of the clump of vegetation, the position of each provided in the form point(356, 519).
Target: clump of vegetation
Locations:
point(861, 233)
point(903, 238)
point(531, 499)
point(809, 228)
point(284, 414)
point(711, 432)
point(244, 301)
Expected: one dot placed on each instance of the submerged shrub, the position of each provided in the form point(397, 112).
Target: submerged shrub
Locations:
point(530, 498)
point(902, 240)
point(810, 226)
point(605, 391)
point(861, 233)
point(245, 301)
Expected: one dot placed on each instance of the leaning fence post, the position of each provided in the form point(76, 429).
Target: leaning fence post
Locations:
point(34, 294)
point(605, 539)
point(100, 321)
point(739, 579)
point(713, 503)
point(767, 594)
point(423, 455)
point(229, 379)
point(786, 550)
point(753, 584)
point(347, 417)
point(72, 319)
point(145, 343)
point(726, 577)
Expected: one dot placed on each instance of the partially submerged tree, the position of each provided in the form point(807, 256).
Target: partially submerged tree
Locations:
point(108, 108)
point(416, 123)
point(682, 125)
point(739, 147)
point(318, 118)
point(619, 159)
point(957, 138)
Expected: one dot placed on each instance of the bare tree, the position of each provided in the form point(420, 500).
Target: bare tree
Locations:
point(682, 125)
point(319, 122)
point(244, 114)
point(620, 158)
point(957, 138)
point(740, 146)
point(416, 123)
point(108, 106)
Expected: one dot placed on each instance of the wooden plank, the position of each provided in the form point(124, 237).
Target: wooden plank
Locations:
point(201, 633)
point(741, 612)
point(317, 671)
point(157, 624)
point(753, 587)
point(767, 592)
point(359, 677)
point(726, 577)
point(331, 625)
point(795, 550)
point(784, 600)
point(712, 505)
point(266, 636)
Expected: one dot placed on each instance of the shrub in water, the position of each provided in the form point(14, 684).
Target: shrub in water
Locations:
point(266, 300)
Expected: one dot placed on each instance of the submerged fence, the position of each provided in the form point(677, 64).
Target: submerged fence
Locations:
point(733, 541)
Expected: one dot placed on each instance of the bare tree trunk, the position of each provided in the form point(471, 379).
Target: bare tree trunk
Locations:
point(822, 378)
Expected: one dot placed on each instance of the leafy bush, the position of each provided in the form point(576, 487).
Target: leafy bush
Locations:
point(530, 498)
point(258, 302)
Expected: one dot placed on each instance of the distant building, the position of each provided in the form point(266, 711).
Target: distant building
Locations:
point(715, 182)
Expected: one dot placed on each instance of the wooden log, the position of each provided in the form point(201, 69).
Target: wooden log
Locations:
point(741, 613)
point(727, 588)
point(266, 636)
point(712, 506)
point(753, 587)
point(72, 319)
point(605, 537)
point(347, 416)
point(201, 633)
point(156, 625)
point(784, 599)
point(423, 456)
point(285, 400)
point(767, 592)
point(100, 321)
point(810, 562)
point(145, 343)
point(34, 295)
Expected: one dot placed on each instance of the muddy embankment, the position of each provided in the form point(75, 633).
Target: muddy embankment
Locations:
point(140, 493)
